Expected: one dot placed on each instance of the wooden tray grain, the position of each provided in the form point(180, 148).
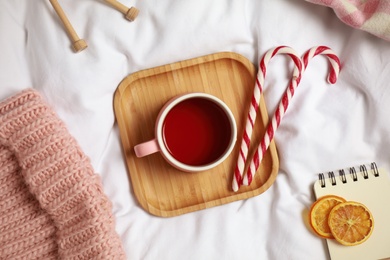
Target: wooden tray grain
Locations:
point(161, 189)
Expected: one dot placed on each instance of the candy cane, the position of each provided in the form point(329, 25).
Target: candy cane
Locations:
point(332, 78)
point(238, 172)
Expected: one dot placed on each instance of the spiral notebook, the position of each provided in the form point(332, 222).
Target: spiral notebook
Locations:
point(368, 185)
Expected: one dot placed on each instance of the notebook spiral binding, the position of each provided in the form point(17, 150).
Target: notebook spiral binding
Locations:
point(352, 172)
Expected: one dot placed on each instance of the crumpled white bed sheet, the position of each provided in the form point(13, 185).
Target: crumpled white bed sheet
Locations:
point(326, 127)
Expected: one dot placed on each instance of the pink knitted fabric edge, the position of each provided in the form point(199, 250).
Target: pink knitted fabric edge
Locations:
point(52, 204)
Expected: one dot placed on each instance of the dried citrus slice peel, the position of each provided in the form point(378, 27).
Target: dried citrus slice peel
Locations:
point(319, 214)
point(351, 223)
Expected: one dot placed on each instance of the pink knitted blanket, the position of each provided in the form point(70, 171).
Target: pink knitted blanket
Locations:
point(52, 205)
point(372, 16)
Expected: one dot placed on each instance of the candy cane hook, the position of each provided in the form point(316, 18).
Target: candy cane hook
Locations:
point(332, 57)
point(245, 144)
point(332, 78)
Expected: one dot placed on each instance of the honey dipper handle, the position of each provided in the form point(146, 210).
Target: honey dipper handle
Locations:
point(77, 43)
point(130, 13)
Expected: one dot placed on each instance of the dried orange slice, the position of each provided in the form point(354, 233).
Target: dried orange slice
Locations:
point(319, 214)
point(351, 223)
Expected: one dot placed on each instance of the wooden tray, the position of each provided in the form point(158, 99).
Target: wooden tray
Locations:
point(161, 189)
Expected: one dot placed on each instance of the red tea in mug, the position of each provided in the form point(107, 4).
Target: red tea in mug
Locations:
point(196, 131)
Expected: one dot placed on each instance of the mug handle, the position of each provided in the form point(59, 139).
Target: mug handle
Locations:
point(146, 148)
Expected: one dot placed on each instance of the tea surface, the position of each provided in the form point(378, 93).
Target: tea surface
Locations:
point(196, 131)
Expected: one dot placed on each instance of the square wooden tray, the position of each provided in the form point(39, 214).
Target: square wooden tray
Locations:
point(161, 189)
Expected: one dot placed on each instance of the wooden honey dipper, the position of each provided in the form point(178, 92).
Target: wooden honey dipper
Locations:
point(77, 43)
point(130, 13)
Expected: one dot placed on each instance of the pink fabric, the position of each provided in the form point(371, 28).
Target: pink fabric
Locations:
point(372, 16)
point(52, 205)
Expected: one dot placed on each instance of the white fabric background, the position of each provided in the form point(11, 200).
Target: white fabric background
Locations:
point(325, 128)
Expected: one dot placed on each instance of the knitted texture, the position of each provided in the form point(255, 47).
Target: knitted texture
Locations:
point(52, 204)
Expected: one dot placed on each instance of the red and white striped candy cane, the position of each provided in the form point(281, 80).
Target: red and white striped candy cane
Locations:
point(280, 111)
point(258, 90)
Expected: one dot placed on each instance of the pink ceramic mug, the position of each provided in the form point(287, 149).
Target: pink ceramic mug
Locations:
point(193, 132)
